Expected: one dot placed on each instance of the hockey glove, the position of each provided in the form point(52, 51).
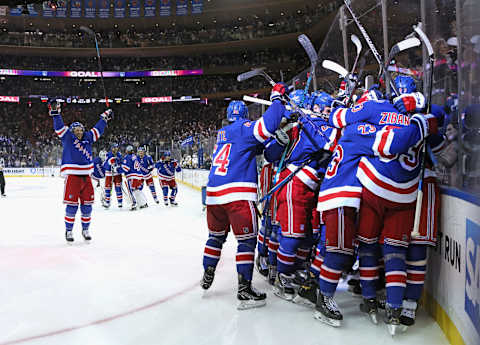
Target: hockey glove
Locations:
point(278, 92)
point(107, 115)
point(409, 102)
point(426, 123)
point(54, 108)
point(282, 137)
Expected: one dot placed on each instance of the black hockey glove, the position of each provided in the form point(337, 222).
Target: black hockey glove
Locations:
point(54, 108)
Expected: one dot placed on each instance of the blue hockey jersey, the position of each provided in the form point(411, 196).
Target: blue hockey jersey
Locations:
point(146, 166)
point(98, 169)
point(233, 175)
point(112, 160)
point(166, 170)
point(77, 154)
point(131, 167)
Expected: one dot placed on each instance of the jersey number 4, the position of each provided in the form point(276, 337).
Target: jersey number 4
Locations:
point(221, 160)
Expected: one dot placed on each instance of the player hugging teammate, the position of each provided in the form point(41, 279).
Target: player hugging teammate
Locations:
point(340, 185)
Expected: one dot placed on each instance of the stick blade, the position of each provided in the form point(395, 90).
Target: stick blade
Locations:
point(309, 48)
point(403, 45)
point(335, 67)
point(87, 30)
point(250, 74)
point(357, 42)
point(424, 38)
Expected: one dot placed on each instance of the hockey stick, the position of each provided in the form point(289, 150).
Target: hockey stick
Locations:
point(335, 67)
point(431, 57)
point(313, 56)
point(265, 102)
point(359, 47)
point(100, 67)
point(359, 78)
point(371, 45)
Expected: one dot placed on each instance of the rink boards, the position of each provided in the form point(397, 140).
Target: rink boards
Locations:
point(452, 294)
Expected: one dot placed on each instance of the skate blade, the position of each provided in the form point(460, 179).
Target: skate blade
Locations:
point(250, 304)
point(403, 328)
point(393, 329)
point(303, 301)
point(374, 318)
point(331, 322)
point(87, 241)
point(70, 243)
point(285, 296)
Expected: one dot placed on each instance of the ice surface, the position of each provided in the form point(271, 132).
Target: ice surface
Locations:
point(137, 282)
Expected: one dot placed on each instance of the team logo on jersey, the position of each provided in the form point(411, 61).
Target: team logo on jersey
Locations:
point(247, 124)
point(245, 230)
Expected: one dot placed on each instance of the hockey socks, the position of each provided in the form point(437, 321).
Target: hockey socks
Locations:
point(395, 274)
point(173, 194)
point(152, 190)
point(262, 243)
point(287, 254)
point(118, 191)
point(70, 212)
point(416, 269)
point(165, 193)
point(86, 211)
point(108, 192)
point(213, 250)
point(369, 268)
point(331, 272)
point(245, 257)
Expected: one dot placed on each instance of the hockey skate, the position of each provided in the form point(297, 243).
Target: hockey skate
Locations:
point(165, 202)
point(261, 265)
point(300, 278)
point(144, 206)
point(133, 207)
point(272, 274)
point(120, 206)
point(326, 310)
point(369, 306)
point(283, 287)
point(69, 236)
point(392, 319)
point(207, 278)
point(407, 317)
point(307, 293)
point(248, 297)
point(4, 195)
point(104, 204)
point(157, 201)
point(381, 299)
point(354, 287)
point(86, 235)
point(173, 203)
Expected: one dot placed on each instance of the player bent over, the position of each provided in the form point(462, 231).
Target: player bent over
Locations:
point(114, 159)
point(166, 174)
point(232, 191)
point(146, 163)
point(77, 166)
point(131, 168)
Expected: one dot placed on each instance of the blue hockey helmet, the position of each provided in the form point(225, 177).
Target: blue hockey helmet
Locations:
point(129, 149)
point(237, 110)
point(76, 125)
point(405, 84)
point(114, 145)
point(298, 97)
point(321, 100)
point(373, 94)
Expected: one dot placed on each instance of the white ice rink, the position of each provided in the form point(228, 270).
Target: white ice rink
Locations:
point(137, 282)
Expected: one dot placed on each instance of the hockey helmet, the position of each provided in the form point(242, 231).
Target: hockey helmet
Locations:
point(373, 94)
point(405, 84)
point(76, 124)
point(321, 100)
point(237, 110)
point(298, 97)
point(129, 149)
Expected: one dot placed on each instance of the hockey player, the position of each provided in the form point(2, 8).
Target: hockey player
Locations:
point(77, 167)
point(297, 199)
point(2, 178)
point(99, 173)
point(166, 169)
point(147, 165)
point(232, 191)
point(114, 160)
point(417, 249)
point(131, 167)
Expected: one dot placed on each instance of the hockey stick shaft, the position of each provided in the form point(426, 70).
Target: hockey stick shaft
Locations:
point(418, 206)
point(265, 102)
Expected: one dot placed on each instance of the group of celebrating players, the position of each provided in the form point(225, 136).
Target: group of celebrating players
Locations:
point(339, 186)
point(79, 168)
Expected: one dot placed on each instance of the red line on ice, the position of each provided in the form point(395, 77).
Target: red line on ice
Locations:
point(98, 322)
